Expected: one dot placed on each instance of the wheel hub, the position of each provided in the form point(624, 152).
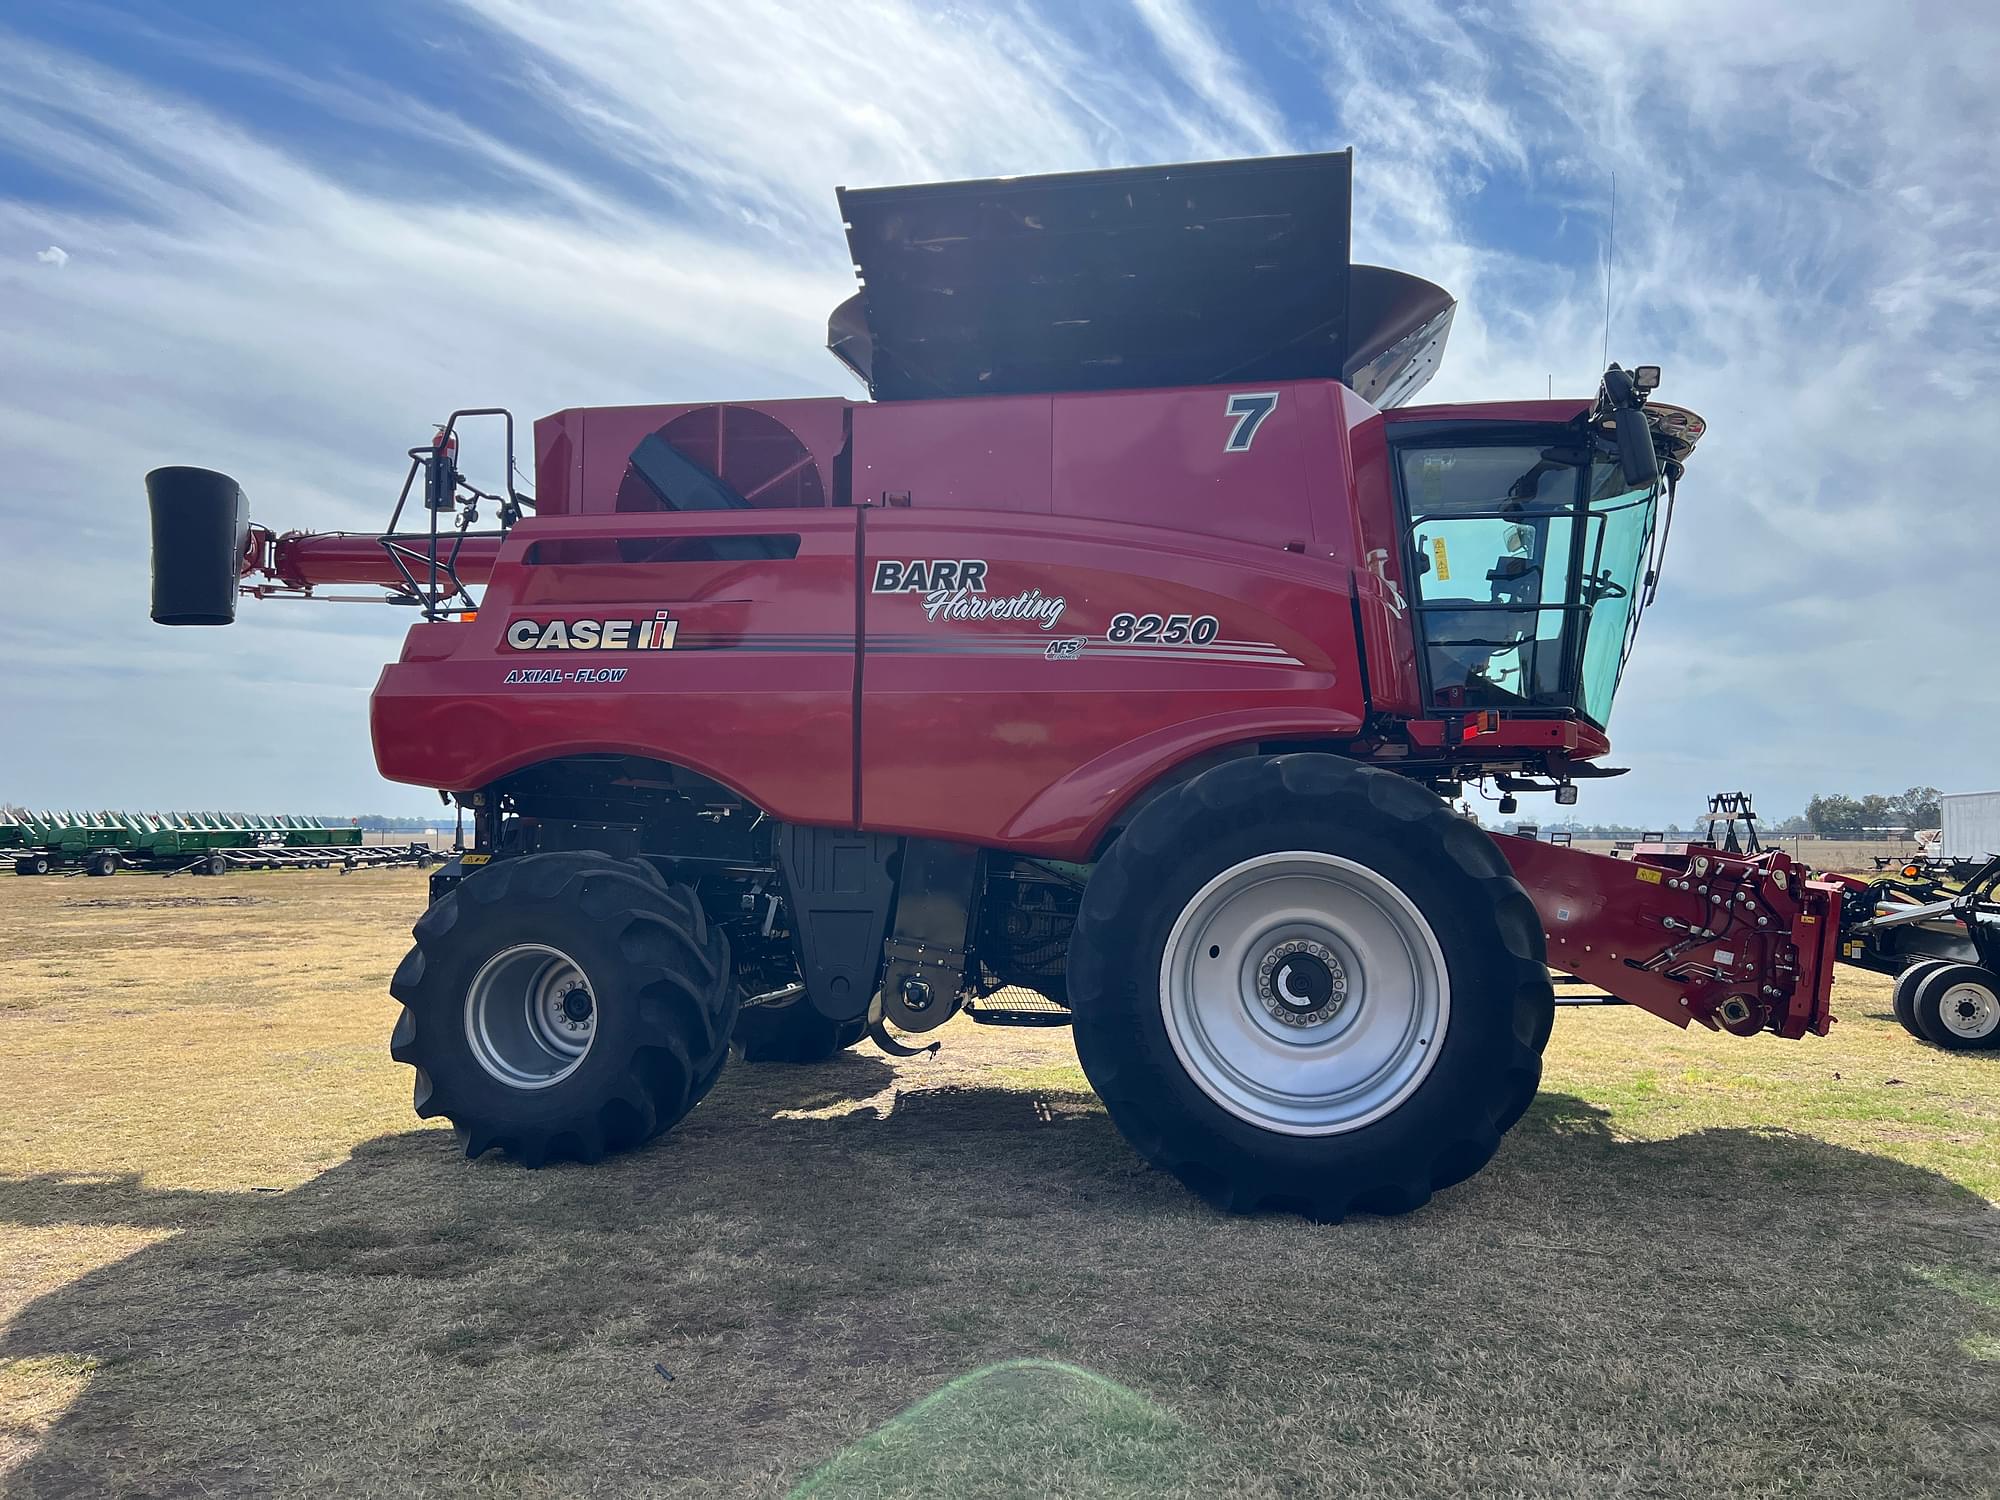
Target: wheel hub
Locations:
point(1304, 992)
point(530, 1016)
point(1302, 982)
point(1970, 1010)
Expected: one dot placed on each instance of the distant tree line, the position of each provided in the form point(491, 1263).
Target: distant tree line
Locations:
point(383, 823)
point(1852, 817)
point(1830, 817)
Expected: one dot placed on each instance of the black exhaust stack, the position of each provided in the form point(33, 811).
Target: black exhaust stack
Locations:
point(201, 528)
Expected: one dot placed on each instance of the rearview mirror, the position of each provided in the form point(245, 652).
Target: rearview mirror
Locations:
point(1636, 456)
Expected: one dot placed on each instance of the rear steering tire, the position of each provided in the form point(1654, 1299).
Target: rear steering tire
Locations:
point(793, 1031)
point(1957, 1006)
point(563, 1006)
point(1304, 984)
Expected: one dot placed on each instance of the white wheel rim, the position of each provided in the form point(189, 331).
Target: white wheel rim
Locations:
point(1304, 993)
point(1969, 1010)
point(530, 1016)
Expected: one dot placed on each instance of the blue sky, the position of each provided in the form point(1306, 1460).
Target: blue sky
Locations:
point(281, 240)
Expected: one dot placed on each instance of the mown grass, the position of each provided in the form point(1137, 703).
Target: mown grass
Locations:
point(232, 1264)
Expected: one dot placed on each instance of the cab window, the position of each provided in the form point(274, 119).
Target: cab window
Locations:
point(1529, 561)
point(1491, 535)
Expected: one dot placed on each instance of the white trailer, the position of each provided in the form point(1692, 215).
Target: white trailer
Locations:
point(1968, 827)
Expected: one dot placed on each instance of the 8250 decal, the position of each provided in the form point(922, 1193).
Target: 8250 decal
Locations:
point(1166, 630)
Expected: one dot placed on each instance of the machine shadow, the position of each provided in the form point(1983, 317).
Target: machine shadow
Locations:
point(234, 1355)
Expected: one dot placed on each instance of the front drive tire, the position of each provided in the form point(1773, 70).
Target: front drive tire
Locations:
point(1308, 985)
point(563, 1006)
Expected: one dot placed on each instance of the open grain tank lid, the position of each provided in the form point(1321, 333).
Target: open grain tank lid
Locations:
point(1230, 272)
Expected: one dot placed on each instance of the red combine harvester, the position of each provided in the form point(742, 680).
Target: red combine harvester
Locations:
point(1112, 667)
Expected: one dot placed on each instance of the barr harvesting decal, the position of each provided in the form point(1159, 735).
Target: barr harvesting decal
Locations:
point(656, 634)
point(954, 588)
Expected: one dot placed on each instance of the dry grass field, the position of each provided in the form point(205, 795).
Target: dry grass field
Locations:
point(231, 1262)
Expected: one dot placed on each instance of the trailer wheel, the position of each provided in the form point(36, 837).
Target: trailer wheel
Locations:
point(101, 863)
point(562, 1006)
point(792, 1031)
point(1957, 1006)
point(1304, 984)
point(215, 864)
point(32, 864)
point(1906, 989)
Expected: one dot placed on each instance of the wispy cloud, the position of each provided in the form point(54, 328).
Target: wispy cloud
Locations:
point(886, 91)
point(1214, 73)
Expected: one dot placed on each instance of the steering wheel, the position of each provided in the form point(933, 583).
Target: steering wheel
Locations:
point(1603, 586)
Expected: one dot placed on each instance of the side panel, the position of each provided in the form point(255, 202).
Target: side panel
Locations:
point(558, 462)
point(1250, 463)
point(1080, 660)
point(980, 453)
point(752, 684)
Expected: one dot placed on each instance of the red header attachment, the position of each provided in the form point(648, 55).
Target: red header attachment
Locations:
point(1739, 943)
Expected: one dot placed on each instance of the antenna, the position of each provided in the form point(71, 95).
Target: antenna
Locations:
point(1610, 251)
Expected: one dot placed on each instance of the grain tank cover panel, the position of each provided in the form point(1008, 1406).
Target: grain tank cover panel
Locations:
point(1215, 272)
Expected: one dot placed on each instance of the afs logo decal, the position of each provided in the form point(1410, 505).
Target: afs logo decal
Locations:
point(656, 634)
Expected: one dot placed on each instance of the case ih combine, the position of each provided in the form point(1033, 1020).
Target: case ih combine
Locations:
point(1113, 665)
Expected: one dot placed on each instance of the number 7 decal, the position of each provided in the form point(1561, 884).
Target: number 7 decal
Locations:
point(1249, 408)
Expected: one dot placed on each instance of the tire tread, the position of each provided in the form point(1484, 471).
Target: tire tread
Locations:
point(687, 994)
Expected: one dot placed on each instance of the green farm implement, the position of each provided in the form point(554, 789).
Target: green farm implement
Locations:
point(102, 843)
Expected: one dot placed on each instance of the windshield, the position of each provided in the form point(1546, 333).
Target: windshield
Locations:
point(1528, 560)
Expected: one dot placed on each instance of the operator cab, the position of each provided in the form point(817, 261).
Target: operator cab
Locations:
point(1534, 547)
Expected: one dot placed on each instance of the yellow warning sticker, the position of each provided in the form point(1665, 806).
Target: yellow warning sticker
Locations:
point(474, 859)
point(1651, 877)
point(1443, 562)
